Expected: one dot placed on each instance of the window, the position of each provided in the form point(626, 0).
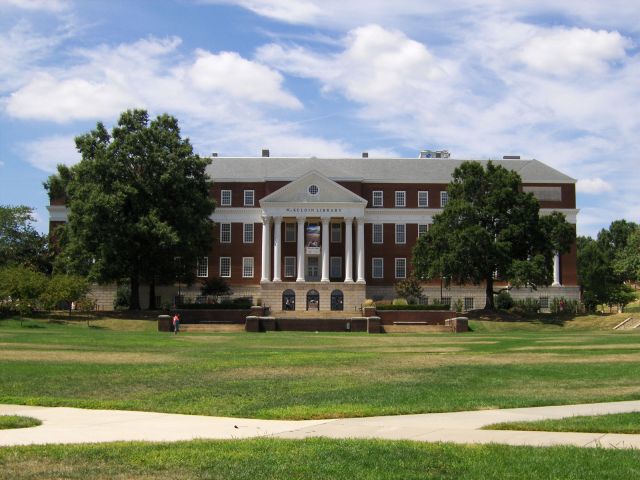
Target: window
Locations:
point(401, 233)
point(335, 269)
point(225, 233)
point(247, 234)
point(422, 229)
point(225, 198)
point(247, 267)
point(377, 235)
point(401, 268)
point(423, 199)
point(225, 267)
point(249, 198)
point(377, 198)
point(289, 266)
point(377, 267)
point(468, 303)
point(289, 232)
point(336, 232)
point(446, 301)
point(313, 190)
point(544, 302)
point(444, 199)
point(401, 199)
point(202, 268)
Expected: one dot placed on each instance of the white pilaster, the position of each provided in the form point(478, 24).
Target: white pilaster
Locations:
point(348, 250)
point(556, 271)
point(325, 250)
point(360, 226)
point(266, 248)
point(300, 277)
point(277, 248)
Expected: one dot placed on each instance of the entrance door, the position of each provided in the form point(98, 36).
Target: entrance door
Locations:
point(288, 300)
point(313, 300)
point(313, 269)
point(337, 300)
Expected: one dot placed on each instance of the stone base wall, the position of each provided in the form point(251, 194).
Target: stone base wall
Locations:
point(354, 294)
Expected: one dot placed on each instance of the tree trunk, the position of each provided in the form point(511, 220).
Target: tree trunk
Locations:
point(134, 302)
point(489, 294)
point(152, 295)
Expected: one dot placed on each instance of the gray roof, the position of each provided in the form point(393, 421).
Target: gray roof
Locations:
point(384, 170)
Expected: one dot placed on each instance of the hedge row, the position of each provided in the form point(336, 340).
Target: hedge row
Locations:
point(412, 307)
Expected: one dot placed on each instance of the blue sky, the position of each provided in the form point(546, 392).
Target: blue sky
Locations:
point(556, 81)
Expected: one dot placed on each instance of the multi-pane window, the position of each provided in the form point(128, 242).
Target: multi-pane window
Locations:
point(249, 197)
point(377, 198)
point(401, 198)
point(225, 233)
point(422, 229)
point(289, 232)
point(445, 301)
point(468, 303)
point(225, 198)
point(377, 267)
point(377, 230)
point(423, 199)
point(401, 268)
point(289, 266)
point(336, 232)
point(247, 234)
point(401, 233)
point(202, 267)
point(544, 302)
point(335, 268)
point(225, 267)
point(444, 198)
point(247, 267)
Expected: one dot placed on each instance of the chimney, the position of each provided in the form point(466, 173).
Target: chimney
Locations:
point(511, 157)
point(265, 152)
point(214, 154)
point(365, 154)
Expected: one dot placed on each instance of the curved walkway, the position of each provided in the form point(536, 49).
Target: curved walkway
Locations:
point(75, 425)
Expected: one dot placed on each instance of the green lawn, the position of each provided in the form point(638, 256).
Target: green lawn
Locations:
point(16, 421)
point(118, 364)
point(314, 459)
point(613, 423)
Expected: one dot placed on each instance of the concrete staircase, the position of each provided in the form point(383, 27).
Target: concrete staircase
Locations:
point(315, 314)
point(211, 327)
point(628, 324)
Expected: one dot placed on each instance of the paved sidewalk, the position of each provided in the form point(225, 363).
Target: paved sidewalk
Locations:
point(74, 425)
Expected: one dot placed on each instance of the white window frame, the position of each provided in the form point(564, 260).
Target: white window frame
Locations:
point(401, 263)
point(377, 198)
point(335, 267)
point(248, 233)
point(223, 261)
point(425, 196)
point(375, 260)
point(468, 303)
point(222, 233)
point(290, 228)
point(401, 198)
point(336, 227)
point(444, 198)
point(289, 266)
point(247, 267)
point(202, 267)
point(423, 226)
point(252, 194)
point(401, 233)
point(224, 193)
point(375, 226)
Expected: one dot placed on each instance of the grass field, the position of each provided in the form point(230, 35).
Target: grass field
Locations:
point(613, 423)
point(117, 364)
point(314, 459)
point(17, 421)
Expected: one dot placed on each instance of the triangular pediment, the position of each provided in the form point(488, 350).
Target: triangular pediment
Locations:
point(313, 187)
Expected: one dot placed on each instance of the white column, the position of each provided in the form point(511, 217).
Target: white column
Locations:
point(556, 270)
point(277, 248)
point(325, 250)
point(360, 225)
point(348, 250)
point(266, 248)
point(300, 249)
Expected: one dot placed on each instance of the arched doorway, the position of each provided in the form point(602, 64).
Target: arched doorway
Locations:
point(288, 300)
point(313, 300)
point(337, 300)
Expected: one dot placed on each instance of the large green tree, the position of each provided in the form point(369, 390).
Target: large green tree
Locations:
point(490, 229)
point(20, 243)
point(137, 201)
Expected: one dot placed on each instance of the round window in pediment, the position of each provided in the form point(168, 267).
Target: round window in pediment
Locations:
point(313, 190)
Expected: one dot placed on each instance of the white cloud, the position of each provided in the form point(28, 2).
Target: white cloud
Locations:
point(48, 152)
point(593, 186)
point(45, 5)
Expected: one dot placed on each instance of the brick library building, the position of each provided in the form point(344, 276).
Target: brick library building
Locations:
point(328, 233)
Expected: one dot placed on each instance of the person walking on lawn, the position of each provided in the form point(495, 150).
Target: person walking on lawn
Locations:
point(176, 323)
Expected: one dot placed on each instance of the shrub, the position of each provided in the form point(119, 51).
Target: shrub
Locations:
point(409, 289)
point(412, 307)
point(216, 287)
point(528, 306)
point(399, 301)
point(123, 296)
point(504, 301)
point(368, 302)
point(457, 306)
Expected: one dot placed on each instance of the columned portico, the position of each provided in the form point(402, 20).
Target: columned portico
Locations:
point(325, 250)
point(300, 249)
point(360, 246)
point(266, 242)
point(556, 271)
point(277, 248)
point(348, 250)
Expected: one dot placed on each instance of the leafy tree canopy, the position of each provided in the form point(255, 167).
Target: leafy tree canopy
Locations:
point(20, 243)
point(627, 261)
point(490, 226)
point(138, 199)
